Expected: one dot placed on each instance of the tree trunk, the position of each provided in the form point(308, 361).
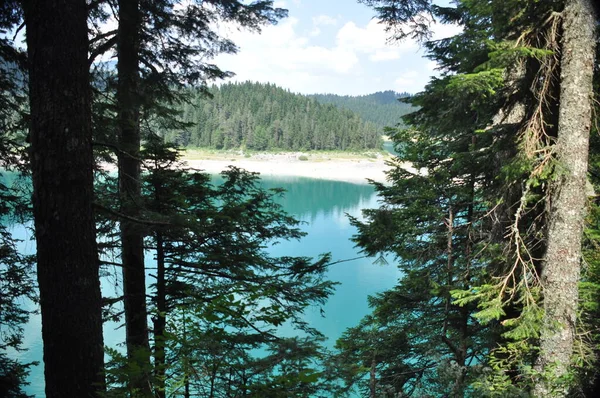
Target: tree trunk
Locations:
point(373, 379)
point(134, 277)
point(561, 267)
point(160, 320)
point(61, 160)
point(186, 368)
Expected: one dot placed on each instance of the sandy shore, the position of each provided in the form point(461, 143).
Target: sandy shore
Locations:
point(350, 169)
point(355, 171)
point(339, 170)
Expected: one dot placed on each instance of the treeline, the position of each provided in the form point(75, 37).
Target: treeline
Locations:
point(259, 116)
point(384, 108)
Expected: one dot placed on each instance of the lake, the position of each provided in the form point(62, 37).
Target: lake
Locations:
point(323, 206)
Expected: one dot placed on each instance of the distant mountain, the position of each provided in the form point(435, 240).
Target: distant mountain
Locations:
point(261, 116)
point(381, 108)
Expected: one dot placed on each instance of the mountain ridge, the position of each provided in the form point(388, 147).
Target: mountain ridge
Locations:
point(383, 108)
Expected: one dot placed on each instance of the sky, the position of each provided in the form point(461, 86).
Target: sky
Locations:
point(326, 46)
point(330, 46)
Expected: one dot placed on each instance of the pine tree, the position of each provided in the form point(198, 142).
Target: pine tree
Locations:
point(492, 125)
point(211, 264)
point(217, 291)
point(258, 116)
point(132, 252)
point(17, 287)
point(145, 27)
point(61, 161)
point(567, 212)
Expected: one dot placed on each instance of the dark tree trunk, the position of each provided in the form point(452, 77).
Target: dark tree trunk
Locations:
point(134, 277)
point(561, 267)
point(465, 332)
point(61, 160)
point(186, 370)
point(160, 320)
point(373, 379)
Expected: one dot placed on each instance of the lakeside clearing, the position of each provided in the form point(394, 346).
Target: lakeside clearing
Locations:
point(350, 167)
point(337, 166)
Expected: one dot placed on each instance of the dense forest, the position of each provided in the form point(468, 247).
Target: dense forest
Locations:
point(261, 117)
point(384, 108)
point(494, 228)
point(500, 291)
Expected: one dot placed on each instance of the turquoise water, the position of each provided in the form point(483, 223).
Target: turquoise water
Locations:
point(323, 205)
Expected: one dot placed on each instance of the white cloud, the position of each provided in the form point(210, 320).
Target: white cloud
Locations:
point(283, 56)
point(442, 31)
point(432, 66)
point(358, 60)
point(372, 39)
point(315, 32)
point(324, 20)
point(385, 55)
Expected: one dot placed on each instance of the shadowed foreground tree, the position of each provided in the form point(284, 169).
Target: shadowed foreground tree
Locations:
point(160, 48)
point(61, 161)
point(132, 235)
point(519, 141)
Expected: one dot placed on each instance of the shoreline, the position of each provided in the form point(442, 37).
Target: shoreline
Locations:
point(346, 167)
point(353, 171)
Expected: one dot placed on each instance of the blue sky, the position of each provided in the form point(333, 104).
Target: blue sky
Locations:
point(328, 46)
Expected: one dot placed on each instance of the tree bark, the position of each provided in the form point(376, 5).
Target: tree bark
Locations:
point(160, 322)
point(132, 237)
point(561, 266)
point(61, 161)
point(373, 379)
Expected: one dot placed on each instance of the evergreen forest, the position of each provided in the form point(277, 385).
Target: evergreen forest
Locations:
point(383, 108)
point(262, 117)
point(494, 228)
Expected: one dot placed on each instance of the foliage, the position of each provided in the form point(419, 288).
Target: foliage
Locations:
point(216, 359)
point(261, 117)
point(17, 288)
point(466, 222)
point(370, 358)
point(219, 297)
point(162, 47)
point(384, 108)
point(17, 285)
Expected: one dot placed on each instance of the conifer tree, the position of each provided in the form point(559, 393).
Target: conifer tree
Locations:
point(61, 162)
point(501, 96)
point(185, 38)
point(567, 211)
point(17, 284)
point(128, 106)
point(211, 267)
point(257, 116)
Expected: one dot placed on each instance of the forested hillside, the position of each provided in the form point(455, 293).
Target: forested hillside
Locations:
point(260, 117)
point(382, 108)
